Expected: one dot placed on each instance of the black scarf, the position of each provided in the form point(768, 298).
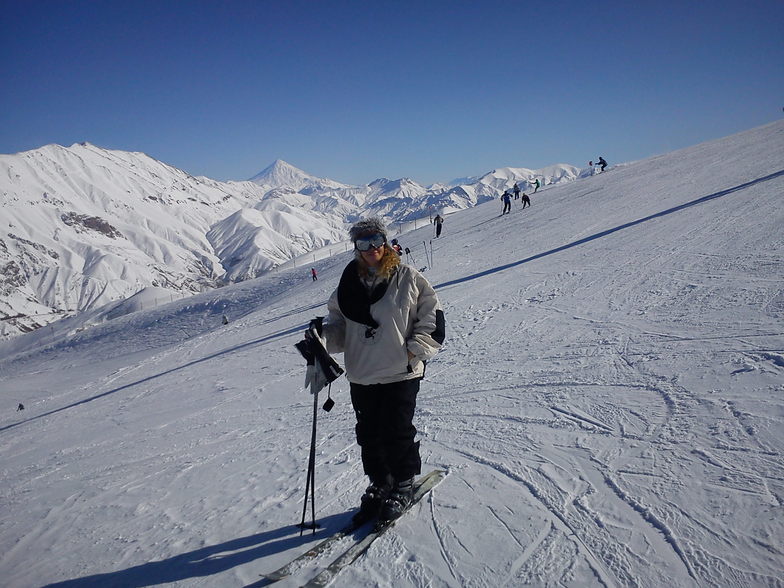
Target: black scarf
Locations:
point(355, 300)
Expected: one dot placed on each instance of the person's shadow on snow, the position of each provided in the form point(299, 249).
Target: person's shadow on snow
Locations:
point(212, 559)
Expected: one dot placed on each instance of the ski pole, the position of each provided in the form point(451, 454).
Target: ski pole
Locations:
point(424, 243)
point(310, 484)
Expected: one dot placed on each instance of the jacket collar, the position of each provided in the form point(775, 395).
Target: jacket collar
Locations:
point(354, 298)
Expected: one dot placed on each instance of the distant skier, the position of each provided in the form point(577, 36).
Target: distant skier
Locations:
point(396, 246)
point(526, 200)
point(536, 185)
point(439, 221)
point(507, 198)
point(313, 274)
point(516, 191)
point(602, 163)
point(20, 407)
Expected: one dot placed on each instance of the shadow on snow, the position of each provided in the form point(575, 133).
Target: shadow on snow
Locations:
point(208, 561)
point(278, 335)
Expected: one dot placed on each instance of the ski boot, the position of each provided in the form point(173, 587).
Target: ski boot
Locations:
point(372, 500)
point(398, 500)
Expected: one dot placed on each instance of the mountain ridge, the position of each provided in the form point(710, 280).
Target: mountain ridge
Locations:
point(85, 226)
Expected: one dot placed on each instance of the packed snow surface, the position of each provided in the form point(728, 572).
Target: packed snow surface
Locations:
point(608, 404)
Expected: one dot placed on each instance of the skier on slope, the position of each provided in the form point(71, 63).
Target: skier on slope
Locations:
point(601, 162)
point(386, 319)
point(537, 184)
point(439, 221)
point(507, 198)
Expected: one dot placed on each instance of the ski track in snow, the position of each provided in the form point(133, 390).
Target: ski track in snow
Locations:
point(608, 405)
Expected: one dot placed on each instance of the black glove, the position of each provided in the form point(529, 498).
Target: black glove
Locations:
point(318, 324)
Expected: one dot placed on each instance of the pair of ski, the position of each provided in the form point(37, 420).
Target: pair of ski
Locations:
point(421, 487)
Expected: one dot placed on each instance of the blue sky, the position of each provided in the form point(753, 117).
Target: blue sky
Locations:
point(359, 90)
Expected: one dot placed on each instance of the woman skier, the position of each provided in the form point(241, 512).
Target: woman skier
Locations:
point(386, 319)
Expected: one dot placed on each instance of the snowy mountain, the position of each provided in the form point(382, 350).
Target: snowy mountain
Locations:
point(608, 405)
point(83, 226)
point(283, 174)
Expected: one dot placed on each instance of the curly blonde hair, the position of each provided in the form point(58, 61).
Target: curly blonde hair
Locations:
point(386, 268)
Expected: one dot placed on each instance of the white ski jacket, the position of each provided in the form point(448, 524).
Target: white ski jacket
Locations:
point(409, 318)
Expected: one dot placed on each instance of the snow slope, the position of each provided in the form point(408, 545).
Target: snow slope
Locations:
point(608, 404)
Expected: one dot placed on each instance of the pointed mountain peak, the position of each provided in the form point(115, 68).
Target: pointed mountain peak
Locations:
point(279, 166)
point(282, 173)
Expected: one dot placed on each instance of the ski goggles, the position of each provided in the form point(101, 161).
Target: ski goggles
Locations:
point(370, 242)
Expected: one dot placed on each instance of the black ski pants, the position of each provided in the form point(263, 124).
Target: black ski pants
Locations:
point(385, 429)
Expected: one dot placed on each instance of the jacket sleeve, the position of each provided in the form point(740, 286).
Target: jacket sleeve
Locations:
point(334, 328)
point(429, 325)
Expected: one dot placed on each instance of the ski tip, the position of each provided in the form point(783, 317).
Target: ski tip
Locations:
point(440, 472)
point(436, 475)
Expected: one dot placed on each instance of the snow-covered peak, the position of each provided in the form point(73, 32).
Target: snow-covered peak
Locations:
point(384, 187)
point(550, 174)
point(281, 173)
point(378, 184)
